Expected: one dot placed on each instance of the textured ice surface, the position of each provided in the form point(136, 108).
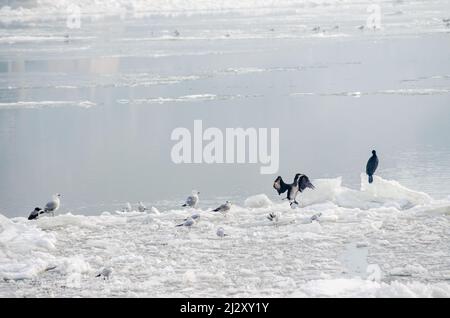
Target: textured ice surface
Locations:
point(381, 241)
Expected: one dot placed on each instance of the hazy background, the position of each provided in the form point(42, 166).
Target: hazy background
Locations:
point(88, 112)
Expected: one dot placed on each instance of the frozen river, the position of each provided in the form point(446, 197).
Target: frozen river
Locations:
point(88, 112)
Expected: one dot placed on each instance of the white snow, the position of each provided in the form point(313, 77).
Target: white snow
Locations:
point(258, 201)
point(367, 243)
point(364, 288)
point(46, 104)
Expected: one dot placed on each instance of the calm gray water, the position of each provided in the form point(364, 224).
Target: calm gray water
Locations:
point(334, 98)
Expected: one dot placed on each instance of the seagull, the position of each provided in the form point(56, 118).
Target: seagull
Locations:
point(361, 27)
point(141, 207)
point(188, 222)
point(105, 273)
point(221, 232)
point(176, 33)
point(195, 217)
point(316, 217)
point(273, 217)
point(53, 205)
point(316, 29)
point(192, 200)
point(35, 213)
point(372, 165)
point(127, 208)
point(223, 208)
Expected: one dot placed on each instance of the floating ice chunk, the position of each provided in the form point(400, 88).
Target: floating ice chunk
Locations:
point(189, 277)
point(25, 251)
point(325, 190)
point(381, 193)
point(258, 201)
point(65, 220)
point(376, 225)
point(356, 287)
point(391, 190)
point(155, 210)
point(314, 227)
point(374, 272)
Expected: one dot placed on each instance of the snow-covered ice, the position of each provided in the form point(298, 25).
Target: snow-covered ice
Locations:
point(250, 61)
point(383, 240)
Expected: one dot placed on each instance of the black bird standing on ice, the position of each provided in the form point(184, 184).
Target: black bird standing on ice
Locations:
point(372, 165)
point(35, 213)
point(301, 182)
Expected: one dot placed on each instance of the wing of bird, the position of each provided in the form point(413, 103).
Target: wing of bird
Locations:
point(280, 186)
point(50, 206)
point(220, 208)
point(304, 183)
point(33, 215)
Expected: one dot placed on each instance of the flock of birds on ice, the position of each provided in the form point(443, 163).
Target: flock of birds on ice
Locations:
point(301, 182)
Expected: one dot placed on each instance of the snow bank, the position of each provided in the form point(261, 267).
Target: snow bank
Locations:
point(81, 221)
point(355, 287)
point(258, 201)
point(24, 250)
point(380, 193)
point(27, 250)
point(293, 256)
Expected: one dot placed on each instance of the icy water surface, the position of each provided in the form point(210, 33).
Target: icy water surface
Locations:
point(88, 113)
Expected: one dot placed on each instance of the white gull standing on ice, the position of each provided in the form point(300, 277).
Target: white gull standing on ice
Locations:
point(141, 207)
point(316, 217)
point(221, 232)
point(195, 217)
point(224, 208)
point(188, 222)
point(192, 200)
point(53, 205)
